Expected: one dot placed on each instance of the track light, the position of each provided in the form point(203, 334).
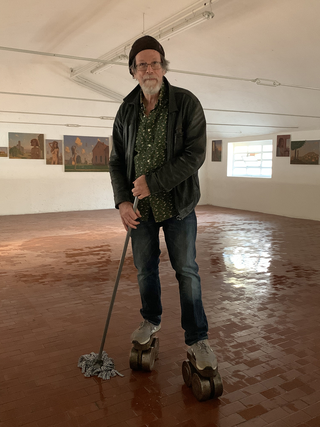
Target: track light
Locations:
point(181, 21)
point(102, 90)
point(103, 67)
point(162, 33)
point(183, 25)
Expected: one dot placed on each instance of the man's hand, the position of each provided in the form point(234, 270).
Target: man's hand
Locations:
point(128, 216)
point(141, 189)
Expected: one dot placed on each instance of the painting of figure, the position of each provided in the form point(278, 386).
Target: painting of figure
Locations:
point(283, 145)
point(26, 146)
point(86, 153)
point(53, 152)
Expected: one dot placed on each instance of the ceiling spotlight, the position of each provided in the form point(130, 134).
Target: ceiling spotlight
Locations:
point(208, 15)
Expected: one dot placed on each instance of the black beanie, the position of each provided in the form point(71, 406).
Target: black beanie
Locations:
point(145, 42)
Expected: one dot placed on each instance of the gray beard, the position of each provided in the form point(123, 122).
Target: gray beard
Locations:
point(151, 90)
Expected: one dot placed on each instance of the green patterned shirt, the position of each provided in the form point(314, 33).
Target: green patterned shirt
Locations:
point(151, 152)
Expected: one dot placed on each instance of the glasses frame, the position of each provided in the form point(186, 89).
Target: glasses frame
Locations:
point(143, 66)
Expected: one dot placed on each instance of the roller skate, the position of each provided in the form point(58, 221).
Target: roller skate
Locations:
point(200, 371)
point(145, 348)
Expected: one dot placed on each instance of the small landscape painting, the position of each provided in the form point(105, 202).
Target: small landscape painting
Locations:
point(3, 151)
point(304, 152)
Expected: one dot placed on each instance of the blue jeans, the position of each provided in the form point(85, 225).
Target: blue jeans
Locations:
point(180, 237)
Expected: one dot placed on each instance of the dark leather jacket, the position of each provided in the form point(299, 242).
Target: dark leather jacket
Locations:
point(186, 149)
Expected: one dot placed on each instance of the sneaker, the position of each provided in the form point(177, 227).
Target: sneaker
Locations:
point(143, 334)
point(204, 355)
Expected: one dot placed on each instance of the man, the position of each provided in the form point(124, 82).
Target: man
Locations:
point(159, 143)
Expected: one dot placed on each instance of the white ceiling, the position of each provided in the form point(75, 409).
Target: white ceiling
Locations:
point(274, 41)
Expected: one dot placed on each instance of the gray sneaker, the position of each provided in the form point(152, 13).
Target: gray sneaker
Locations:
point(143, 333)
point(204, 355)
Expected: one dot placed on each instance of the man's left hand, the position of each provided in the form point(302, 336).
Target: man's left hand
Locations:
point(140, 189)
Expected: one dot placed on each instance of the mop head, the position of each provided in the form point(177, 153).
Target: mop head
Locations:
point(104, 370)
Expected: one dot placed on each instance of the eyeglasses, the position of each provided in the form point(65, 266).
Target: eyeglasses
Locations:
point(143, 66)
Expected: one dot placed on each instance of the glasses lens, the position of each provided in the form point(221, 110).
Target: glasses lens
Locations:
point(142, 67)
point(155, 65)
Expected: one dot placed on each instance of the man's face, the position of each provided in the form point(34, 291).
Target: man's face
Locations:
point(150, 80)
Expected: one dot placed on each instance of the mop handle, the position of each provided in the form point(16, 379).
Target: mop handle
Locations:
point(135, 205)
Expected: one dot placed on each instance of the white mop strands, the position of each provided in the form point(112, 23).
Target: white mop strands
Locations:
point(100, 364)
point(104, 369)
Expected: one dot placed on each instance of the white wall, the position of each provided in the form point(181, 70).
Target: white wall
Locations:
point(292, 191)
point(31, 186)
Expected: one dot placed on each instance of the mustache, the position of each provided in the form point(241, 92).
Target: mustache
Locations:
point(148, 78)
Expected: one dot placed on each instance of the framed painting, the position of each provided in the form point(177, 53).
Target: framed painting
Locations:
point(216, 151)
point(283, 145)
point(26, 145)
point(53, 152)
point(3, 151)
point(86, 153)
point(304, 152)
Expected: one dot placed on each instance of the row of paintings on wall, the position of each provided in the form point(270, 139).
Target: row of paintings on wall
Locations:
point(91, 154)
point(77, 153)
point(300, 152)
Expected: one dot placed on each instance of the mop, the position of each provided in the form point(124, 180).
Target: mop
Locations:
point(101, 365)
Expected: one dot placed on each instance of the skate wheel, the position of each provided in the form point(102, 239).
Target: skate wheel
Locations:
point(134, 359)
point(217, 386)
point(187, 371)
point(147, 359)
point(201, 387)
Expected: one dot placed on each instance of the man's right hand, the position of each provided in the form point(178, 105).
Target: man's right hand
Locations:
point(128, 216)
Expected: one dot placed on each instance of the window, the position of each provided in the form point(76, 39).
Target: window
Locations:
point(250, 159)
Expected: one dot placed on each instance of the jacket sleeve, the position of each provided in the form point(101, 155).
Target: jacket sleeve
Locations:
point(188, 142)
point(117, 163)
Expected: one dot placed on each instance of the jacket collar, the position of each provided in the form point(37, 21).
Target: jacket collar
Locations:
point(134, 96)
